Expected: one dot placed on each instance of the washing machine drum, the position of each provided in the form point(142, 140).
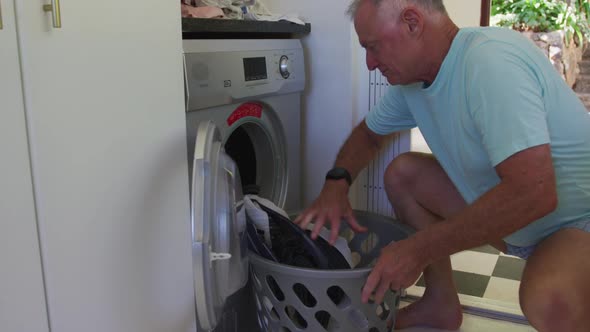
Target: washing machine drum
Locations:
point(221, 234)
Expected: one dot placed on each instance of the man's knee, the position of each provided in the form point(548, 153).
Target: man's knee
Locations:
point(554, 291)
point(549, 307)
point(401, 170)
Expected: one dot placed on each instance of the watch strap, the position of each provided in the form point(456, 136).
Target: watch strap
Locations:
point(339, 173)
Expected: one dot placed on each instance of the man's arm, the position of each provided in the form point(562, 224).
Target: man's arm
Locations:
point(359, 149)
point(332, 204)
point(526, 192)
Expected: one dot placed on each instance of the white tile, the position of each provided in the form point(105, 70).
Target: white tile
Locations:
point(503, 254)
point(415, 291)
point(502, 289)
point(474, 262)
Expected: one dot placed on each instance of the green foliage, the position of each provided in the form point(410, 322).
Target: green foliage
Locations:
point(545, 15)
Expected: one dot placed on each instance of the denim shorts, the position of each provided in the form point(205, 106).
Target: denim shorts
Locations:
point(526, 252)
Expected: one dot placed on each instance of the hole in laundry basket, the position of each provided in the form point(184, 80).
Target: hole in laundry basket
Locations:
point(284, 329)
point(270, 308)
point(347, 234)
point(338, 296)
point(370, 243)
point(304, 295)
point(383, 311)
point(327, 321)
point(257, 282)
point(356, 259)
point(274, 288)
point(295, 317)
point(358, 319)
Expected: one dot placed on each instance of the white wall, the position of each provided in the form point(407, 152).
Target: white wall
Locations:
point(327, 110)
point(465, 13)
point(337, 89)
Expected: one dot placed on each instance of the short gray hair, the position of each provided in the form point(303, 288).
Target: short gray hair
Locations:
point(436, 6)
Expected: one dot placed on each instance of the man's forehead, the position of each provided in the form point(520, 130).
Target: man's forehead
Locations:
point(365, 8)
point(366, 24)
point(366, 40)
point(364, 19)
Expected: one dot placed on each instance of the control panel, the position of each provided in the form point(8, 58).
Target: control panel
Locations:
point(215, 78)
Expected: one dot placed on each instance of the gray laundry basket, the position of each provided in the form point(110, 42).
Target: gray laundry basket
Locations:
point(290, 299)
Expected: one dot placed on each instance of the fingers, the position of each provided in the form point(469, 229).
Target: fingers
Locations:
point(381, 290)
point(319, 217)
point(334, 232)
point(371, 284)
point(305, 218)
point(335, 220)
point(318, 224)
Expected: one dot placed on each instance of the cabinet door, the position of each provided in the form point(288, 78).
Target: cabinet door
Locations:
point(104, 96)
point(22, 297)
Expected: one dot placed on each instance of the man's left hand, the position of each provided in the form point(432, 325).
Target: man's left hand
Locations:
point(399, 266)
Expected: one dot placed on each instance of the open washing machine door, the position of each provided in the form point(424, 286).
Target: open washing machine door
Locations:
point(219, 247)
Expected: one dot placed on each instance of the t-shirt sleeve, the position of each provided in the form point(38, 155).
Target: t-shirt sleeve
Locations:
point(391, 113)
point(505, 99)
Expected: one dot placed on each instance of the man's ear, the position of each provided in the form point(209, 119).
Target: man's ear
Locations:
point(412, 20)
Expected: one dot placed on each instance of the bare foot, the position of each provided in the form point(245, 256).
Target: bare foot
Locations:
point(432, 310)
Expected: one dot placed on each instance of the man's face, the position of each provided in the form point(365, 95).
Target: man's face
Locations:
point(388, 45)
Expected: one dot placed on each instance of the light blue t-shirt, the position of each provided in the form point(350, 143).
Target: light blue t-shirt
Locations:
point(497, 94)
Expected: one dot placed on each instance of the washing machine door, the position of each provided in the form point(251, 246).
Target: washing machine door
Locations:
point(218, 225)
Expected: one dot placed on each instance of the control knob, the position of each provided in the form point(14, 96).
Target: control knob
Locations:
point(284, 66)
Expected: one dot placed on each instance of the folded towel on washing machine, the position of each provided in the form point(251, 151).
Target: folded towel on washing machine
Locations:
point(291, 17)
point(232, 9)
point(250, 10)
point(201, 12)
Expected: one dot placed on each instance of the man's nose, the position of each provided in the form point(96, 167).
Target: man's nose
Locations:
point(371, 62)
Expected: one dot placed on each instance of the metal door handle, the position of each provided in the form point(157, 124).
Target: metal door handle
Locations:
point(56, 12)
point(1, 26)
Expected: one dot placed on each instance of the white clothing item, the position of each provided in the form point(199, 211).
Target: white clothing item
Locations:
point(292, 17)
point(233, 8)
point(341, 244)
point(259, 217)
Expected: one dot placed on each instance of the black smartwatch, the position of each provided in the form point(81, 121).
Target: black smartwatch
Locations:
point(339, 173)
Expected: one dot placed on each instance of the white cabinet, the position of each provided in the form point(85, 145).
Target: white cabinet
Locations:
point(22, 297)
point(106, 129)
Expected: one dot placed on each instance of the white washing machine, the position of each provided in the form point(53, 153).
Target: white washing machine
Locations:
point(243, 102)
point(251, 90)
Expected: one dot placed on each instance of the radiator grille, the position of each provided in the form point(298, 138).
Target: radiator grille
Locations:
point(371, 195)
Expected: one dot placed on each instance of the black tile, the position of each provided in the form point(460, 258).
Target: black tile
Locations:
point(486, 249)
point(467, 283)
point(509, 268)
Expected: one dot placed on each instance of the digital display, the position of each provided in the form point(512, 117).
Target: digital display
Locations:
point(255, 69)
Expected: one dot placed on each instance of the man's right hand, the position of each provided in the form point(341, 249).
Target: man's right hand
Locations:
point(332, 205)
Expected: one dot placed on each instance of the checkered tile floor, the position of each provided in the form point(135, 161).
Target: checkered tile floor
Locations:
point(485, 272)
